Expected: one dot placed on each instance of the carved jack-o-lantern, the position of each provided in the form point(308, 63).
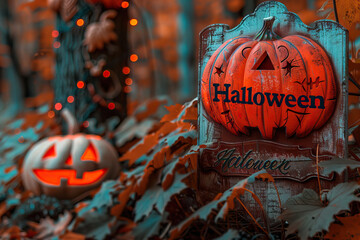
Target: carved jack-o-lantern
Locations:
point(67, 166)
point(268, 83)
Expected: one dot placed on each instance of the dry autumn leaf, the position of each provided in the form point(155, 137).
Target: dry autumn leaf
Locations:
point(100, 33)
point(348, 13)
point(349, 230)
point(307, 215)
point(204, 212)
point(140, 149)
point(174, 112)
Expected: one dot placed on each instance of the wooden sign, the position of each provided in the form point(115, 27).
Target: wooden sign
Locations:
point(271, 91)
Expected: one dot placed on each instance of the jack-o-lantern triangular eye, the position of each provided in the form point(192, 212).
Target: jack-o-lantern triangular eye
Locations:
point(264, 63)
point(89, 154)
point(51, 153)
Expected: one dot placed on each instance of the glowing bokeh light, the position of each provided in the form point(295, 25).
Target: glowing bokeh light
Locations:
point(106, 74)
point(126, 70)
point(133, 22)
point(80, 84)
point(58, 106)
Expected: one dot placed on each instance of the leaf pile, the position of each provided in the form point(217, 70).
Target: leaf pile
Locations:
point(154, 196)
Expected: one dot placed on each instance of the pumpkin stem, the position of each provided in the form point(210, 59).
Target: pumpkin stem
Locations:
point(267, 33)
point(70, 120)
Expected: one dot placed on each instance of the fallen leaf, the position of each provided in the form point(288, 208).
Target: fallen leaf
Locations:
point(100, 33)
point(72, 236)
point(130, 129)
point(348, 12)
point(205, 211)
point(174, 112)
point(338, 165)
point(349, 230)
point(48, 227)
point(96, 224)
point(239, 190)
point(230, 234)
point(155, 196)
point(149, 227)
point(150, 108)
point(41, 99)
point(140, 149)
point(170, 169)
point(307, 215)
point(103, 198)
point(123, 198)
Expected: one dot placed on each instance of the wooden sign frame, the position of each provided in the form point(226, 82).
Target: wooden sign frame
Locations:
point(216, 174)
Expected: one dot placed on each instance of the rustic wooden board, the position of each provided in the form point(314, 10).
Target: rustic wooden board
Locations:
point(300, 152)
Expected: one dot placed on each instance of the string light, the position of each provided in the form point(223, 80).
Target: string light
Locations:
point(111, 106)
point(54, 34)
point(51, 114)
point(58, 106)
point(128, 81)
point(80, 84)
point(57, 44)
point(134, 57)
point(80, 22)
point(126, 70)
point(124, 4)
point(127, 89)
point(70, 99)
point(106, 74)
point(86, 124)
point(21, 139)
point(133, 22)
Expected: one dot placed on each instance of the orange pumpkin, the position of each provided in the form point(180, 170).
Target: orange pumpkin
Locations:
point(269, 82)
point(67, 166)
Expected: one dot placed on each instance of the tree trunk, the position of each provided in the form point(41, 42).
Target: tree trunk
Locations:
point(71, 58)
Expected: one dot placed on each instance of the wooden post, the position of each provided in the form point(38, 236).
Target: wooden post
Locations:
point(261, 53)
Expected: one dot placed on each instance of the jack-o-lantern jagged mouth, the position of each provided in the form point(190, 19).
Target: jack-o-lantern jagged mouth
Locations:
point(53, 177)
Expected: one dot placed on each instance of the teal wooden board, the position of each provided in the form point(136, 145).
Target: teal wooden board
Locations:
point(331, 138)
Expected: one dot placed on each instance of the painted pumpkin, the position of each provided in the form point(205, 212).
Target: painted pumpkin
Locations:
point(268, 83)
point(67, 166)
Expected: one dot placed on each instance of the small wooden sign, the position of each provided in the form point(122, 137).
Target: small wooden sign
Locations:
point(271, 91)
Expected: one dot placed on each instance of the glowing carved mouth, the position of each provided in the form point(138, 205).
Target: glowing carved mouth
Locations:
point(53, 177)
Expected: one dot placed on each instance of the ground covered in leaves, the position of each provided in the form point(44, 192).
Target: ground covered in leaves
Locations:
point(155, 195)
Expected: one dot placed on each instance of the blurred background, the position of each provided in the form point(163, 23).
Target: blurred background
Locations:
point(100, 58)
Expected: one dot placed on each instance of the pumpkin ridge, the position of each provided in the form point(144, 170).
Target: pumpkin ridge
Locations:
point(325, 67)
point(307, 78)
point(213, 64)
point(325, 97)
point(214, 110)
point(253, 43)
point(211, 73)
point(277, 45)
point(228, 104)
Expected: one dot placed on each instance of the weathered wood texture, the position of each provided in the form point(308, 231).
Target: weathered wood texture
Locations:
point(301, 152)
